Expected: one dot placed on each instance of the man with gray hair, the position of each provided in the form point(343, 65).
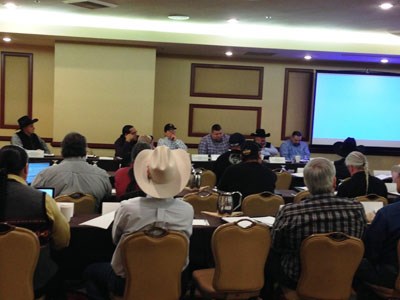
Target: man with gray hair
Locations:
point(323, 212)
point(360, 183)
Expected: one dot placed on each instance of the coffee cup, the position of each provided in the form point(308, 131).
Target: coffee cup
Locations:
point(297, 158)
point(67, 209)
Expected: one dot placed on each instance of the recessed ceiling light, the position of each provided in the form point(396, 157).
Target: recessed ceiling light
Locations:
point(178, 17)
point(6, 39)
point(10, 5)
point(386, 5)
point(384, 60)
point(307, 57)
point(268, 17)
point(233, 21)
point(228, 53)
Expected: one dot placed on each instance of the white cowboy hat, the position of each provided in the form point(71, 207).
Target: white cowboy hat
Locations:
point(162, 173)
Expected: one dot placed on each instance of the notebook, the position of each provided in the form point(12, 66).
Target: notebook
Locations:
point(34, 169)
point(48, 190)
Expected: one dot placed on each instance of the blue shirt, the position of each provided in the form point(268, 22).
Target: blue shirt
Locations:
point(176, 144)
point(209, 146)
point(289, 151)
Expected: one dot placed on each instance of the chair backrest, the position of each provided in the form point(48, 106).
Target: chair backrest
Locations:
point(372, 197)
point(328, 264)
point(202, 203)
point(208, 178)
point(262, 204)
point(19, 252)
point(240, 255)
point(283, 180)
point(153, 262)
point(301, 196)
point(83, 203)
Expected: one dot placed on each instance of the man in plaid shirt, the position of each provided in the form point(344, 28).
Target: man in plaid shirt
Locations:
point(321, 213)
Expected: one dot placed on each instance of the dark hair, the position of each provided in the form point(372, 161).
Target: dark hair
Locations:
point(125, 130)
point(139, 147)
point(296, 133)
point(216, 127)
point(13, 160)
point(73, 145)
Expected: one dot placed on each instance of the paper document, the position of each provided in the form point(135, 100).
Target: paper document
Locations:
point(103, 221)
point(199, 157)
point(106, 158)
point(371, 206)
point(392, 188)
point(200, 222)
point(301, 188)
point(266, 220)
point(383, 176)
point(109, 207)
point(301, 175)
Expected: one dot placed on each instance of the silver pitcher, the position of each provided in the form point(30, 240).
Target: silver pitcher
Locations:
point(225, 201)
point(195, 178)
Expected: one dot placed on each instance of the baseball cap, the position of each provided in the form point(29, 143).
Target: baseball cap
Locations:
point(236, 139)
point(250, 150)
point(169, 126)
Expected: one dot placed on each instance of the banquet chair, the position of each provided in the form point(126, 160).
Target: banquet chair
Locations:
point(83, 203)
point(387, 293)
point(301, 196)
point(328, 264)
point(240, 254)
point(153, 261)
point(262, 204)
point(283, 180)
point(208, 178)
point(202, 203)
point(372, 197)
point(19, 252)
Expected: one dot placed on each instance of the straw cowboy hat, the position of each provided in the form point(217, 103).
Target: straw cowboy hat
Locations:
point(162, 172)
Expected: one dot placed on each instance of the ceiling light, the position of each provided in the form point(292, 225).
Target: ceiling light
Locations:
point(386, 5)
point(268, 17)
point(384, 60)
point(10, 5)
point(178, 17)
point(233, 21)
point(6, 39)
point(307, 57)
point(228, 53)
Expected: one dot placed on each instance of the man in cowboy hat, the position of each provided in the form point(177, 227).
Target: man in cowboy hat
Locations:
point(161, 173)
point(26, 136)
point(343, 149)
point(267, 149)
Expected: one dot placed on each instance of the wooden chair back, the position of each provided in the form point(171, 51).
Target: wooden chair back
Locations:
point(262, 204)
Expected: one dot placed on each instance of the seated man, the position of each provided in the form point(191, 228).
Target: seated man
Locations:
point(343, 149)
point(322, 213)
point(215, 142)
point(74, 174)
point(170, 140)
point(230, 157)
point(161, 174)
point(360, 183)
point(267, 149)
point(250, 176)
point(26, 136)
point(124, 144)
point(295, 147)
point(24, 206)
point(380, 263)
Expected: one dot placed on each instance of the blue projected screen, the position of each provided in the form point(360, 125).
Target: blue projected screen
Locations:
point(363, 106)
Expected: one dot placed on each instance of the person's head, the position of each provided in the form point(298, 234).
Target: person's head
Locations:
point(73, 145)
point(169, 130)
point(236, 141)
point(296, 138)
point(319, 176)
point(356, 162)
point(14, 160)
point(148, 139)
point(139, 147)
point(395, 172)
point(129, 129)
point(26, 124)
point(216, 133)
point(250, 151)
point(260, 136)
point(347, 146)
point(162, 173)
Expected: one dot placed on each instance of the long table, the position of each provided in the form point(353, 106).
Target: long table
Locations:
point(92, 244)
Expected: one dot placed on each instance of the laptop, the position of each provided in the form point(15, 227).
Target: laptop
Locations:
point(48, 190)
point(35, 168)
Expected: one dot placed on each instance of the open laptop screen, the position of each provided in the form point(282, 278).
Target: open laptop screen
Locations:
point(34, 169)
point(48, 190)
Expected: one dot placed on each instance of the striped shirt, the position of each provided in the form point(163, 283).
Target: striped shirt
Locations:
point(319, 214)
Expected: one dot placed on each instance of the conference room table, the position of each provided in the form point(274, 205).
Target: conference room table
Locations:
point(90, 244)
point(110, 164)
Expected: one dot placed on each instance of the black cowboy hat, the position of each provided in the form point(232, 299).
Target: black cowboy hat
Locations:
point(347, 146)
point(260, 133)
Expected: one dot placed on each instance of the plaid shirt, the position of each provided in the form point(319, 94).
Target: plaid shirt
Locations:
point(319, 214)
point(209, 146)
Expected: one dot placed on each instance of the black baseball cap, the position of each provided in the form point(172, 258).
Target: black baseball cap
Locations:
point(169, 126)
point(236, 139)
